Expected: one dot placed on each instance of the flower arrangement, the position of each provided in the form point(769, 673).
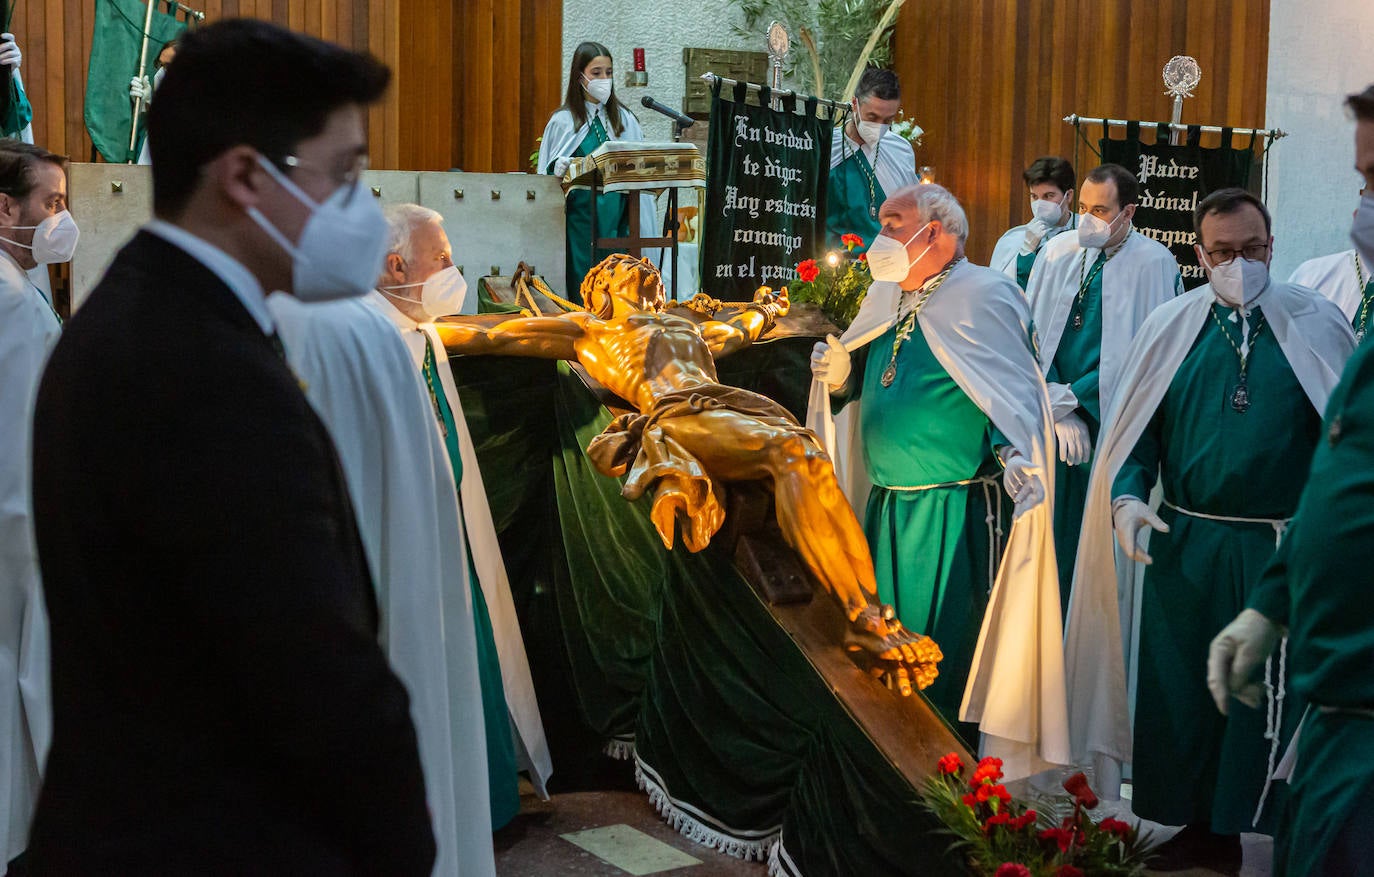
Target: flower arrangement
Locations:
point(1002, 837)
point(837, 283)
point(908, 130)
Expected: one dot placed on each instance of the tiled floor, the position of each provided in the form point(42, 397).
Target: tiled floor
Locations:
point(535, 844)
point(632, 839)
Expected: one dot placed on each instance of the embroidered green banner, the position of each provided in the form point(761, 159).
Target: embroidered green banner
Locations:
point(766, 172)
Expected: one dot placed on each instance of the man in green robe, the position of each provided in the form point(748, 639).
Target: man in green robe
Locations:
point(932, 434)
point(1227, 423)
point(867, 161)
point(1318, 587)
point(1050, 182)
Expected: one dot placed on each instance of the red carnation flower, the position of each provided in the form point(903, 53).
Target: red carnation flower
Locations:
point(969, 801)
point(990, 790)
point(1068, 871)
point(1116, 827)
point(1012, 869)
point(950, 763)
point(1060, 837)
point(1020, 822)
point(1077, 785)
point(808, 270)
point(863, 257)
point(1003, 818)
point(851, 241)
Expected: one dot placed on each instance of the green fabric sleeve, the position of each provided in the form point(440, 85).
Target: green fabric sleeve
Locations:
point(1138, 473)
point(1086, 390)
point(1270, 597)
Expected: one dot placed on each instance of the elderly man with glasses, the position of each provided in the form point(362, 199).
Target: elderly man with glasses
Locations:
point(1220, 399)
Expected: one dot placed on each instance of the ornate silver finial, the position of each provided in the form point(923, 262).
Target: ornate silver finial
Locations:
point(1181, 76)
point(778, 44)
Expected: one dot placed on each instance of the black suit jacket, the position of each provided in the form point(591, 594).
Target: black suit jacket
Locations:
point(220, 701)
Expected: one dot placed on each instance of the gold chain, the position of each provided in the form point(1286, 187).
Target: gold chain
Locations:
point(1254, 336)
point(908, 322)
point(1083, 284)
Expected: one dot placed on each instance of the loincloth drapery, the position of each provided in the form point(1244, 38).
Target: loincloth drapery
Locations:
point(636, 444)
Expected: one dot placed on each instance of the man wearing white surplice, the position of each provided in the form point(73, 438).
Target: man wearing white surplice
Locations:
point(419, 284)
point(1089, 292)
point(35, 230)
point(1220, 397)
point(1348, 280)
point(949, 386)
point(358, 377)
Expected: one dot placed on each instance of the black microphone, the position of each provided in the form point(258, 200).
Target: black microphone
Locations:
point(683, 121)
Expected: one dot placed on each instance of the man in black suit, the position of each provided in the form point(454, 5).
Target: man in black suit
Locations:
point(220, 701)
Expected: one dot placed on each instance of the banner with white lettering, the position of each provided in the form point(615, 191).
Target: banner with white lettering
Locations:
point(1173, 180)
point(766, 174)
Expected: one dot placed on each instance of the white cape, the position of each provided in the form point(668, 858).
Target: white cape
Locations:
point(531, 747)
point(359, 378)
point(1315, 341)
point(894, 165)
point(1142, 276)
point(561, 139)
point(1008, 246)
point(28, 331)
point(977, 325)
point(1334, 277)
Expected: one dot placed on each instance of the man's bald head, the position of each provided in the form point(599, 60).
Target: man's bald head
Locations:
point(934, 204)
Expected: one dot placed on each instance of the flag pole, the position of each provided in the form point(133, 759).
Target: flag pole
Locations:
point(142, 65)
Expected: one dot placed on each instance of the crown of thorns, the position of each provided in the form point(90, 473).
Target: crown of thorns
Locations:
point(599, 284)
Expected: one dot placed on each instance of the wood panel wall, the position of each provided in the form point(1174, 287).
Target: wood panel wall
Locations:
point(991, 80)
point(468, 86)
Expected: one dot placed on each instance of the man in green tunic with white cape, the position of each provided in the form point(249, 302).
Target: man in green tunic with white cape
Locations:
point(949, 384)
point(1220, 396)
point(1317, 586)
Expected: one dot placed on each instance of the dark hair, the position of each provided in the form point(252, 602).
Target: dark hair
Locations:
point(1127, 189)
point(173, 43)
point(575, 100)
point(1050, 169)
point(879, 83)
point(18, 165)
point(247, 82)
point(1228, 201)
point(1362, 104)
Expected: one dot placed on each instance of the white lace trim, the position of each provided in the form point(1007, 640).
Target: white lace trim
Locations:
point(691, 823)
point(620, 748)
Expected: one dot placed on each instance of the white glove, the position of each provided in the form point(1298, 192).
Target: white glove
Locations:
point(140, 88)
point(1075, 444)
point(1036, 230)
point(1062, 400)
point(1022, 481)
point(1235, 654)
point(9, 51)
point(1129, 517)
point(560, 165)
point(830, 362)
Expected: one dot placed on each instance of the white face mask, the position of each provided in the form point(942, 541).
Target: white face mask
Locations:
point(598, 89)
point(54, 239)
point(342, 246)
point(1239, 282)
point(442, 294)
point(887, 259)
point(1362, 230)
point(1093, 233)
point(1048, 212)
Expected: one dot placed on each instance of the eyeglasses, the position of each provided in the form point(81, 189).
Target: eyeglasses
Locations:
point(1254, 253)
point(345, 178)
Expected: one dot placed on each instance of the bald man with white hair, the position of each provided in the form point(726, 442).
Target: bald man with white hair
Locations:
point(420, 284)
point(954, 408)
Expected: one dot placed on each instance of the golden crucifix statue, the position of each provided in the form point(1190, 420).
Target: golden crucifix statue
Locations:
point(692, 433)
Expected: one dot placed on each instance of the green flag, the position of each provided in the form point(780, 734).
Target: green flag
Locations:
point(114, 61)
point(15, 111)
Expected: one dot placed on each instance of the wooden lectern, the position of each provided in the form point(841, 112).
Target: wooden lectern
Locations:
point(637, 168)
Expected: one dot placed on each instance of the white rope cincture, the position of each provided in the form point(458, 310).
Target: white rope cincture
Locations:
point(1280, 525)
point(691, 823)
point(1273, 719)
